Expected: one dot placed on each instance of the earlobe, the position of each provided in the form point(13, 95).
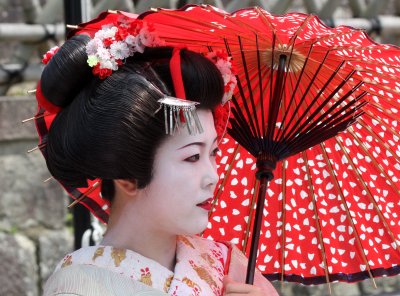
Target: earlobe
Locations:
point(128, 187)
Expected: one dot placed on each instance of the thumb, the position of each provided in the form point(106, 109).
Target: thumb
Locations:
point(227, 280)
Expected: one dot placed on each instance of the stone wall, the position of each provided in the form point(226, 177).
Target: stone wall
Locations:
point(33, 231)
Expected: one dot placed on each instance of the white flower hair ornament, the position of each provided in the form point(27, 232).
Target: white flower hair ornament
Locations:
point(115, 42)
point(224, 64)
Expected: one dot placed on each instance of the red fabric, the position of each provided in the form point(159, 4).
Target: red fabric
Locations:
point(349, 181)
point(42, 101)
point(176, 73)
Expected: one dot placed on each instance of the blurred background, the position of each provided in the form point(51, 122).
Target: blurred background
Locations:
point(36, 229)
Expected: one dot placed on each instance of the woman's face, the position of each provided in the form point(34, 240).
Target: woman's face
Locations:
point(178, 198)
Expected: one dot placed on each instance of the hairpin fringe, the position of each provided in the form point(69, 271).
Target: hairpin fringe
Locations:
point(179, 112)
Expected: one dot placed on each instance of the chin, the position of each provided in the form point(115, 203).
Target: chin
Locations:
point(197, 227)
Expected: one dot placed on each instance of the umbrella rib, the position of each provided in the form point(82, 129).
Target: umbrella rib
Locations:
point(369, 193)
point(260, 90)
point(246, 72)
point(341, 195)
point(296, 129)
point(251, 213)
point(271, 80)
point(376, 163)
point(322, 123)
point(227, 173)
point(240, 129)
point(295, 112)
point(309, 140)
point(393, 131)
point(332, 122)
point(276, 100)
point(317, 224)
point(279, 135)
point(283, 221)
point(241, 91)
point(265, 20)
point(299, 29)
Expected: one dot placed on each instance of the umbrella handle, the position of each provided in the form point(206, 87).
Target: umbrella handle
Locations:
point(251, 266)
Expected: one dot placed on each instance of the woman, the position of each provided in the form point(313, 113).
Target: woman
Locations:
point(119, 120)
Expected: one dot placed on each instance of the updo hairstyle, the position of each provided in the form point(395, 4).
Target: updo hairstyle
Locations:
point(109, 128)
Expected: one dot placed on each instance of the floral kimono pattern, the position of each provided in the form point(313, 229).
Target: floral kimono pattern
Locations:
point(199, 269)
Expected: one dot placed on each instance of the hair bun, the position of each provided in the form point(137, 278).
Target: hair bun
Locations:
point(67, 72)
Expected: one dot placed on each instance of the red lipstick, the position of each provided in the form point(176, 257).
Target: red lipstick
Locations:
point(207, 204)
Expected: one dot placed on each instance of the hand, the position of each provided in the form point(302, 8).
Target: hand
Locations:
point(235, 288)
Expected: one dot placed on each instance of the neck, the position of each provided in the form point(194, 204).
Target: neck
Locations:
point(125, 230)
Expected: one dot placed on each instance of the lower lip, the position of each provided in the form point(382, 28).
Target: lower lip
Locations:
point(206, 206)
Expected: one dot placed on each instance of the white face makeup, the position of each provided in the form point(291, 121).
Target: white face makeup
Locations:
point(178, 198)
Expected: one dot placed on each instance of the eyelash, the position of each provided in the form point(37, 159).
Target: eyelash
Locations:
point(196, 157)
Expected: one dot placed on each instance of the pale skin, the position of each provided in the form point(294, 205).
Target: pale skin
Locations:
point(132, 225)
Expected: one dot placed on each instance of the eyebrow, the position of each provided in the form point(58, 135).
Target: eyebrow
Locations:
point(201, 144)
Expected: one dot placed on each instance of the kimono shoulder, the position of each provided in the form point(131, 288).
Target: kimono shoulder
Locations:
point(90, 280)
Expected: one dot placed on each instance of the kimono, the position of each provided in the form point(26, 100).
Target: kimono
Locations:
point(104, 270)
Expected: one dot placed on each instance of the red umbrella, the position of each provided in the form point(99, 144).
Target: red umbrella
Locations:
point(313, 142)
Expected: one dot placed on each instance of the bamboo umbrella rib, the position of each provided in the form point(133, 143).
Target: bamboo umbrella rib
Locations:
point(313, 122)
point(378, 138)
point(276, 99)
point(321, 241)
point(297, 129)
point(387, 112)
point(183, 17)
point(241, 132)
point(303, 97)
point(393, 102)
point(336, 35)
point(388, 127)
point(349, 218)
point(227, 174)
point(299, 30)
point(271, 89)
point(373, 159)
point(361, 180)
point(253, 119)
point(260, 89)
point(266, 21)
point(251, 213)
point(246, 27)
point(242, 95)
point(284, 164)
point(291, 100)
point(283, 221)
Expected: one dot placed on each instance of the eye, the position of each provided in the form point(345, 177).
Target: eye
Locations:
point(215, 152)
point(193, 158)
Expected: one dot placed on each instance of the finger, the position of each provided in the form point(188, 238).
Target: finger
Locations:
point(237, 288)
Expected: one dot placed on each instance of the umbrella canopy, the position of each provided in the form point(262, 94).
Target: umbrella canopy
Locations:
point(316, 115)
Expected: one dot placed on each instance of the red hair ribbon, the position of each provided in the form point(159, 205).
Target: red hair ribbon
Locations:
point(176, 73)
point(43, 102)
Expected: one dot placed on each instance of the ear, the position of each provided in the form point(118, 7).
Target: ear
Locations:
point(128, 187)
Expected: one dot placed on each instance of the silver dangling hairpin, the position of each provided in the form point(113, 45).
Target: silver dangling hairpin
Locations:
point(178, 112)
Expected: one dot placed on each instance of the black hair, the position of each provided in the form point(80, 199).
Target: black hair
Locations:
point(109, 128)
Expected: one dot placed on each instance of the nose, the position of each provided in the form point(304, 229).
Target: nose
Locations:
point(210, 176)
